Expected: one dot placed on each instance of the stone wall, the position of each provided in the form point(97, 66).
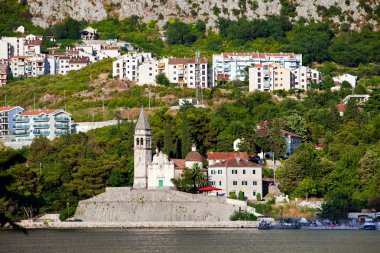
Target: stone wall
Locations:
point(123, 204)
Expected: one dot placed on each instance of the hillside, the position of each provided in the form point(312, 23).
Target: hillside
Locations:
point(355, 12)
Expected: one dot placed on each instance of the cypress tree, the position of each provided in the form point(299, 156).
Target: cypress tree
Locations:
point(186, 138)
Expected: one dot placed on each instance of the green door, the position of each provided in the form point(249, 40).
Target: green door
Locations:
point(161, 183)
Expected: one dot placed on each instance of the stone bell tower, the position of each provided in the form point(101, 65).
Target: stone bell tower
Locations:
point(142, 152)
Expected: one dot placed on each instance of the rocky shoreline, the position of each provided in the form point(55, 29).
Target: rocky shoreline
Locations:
point(161, 224)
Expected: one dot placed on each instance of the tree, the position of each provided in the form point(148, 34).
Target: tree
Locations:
point(360, 89)
point(161, 79)
point(169, 148)
point(336, 206)
point(185, 136)
point(179, 33)
point(191, 180)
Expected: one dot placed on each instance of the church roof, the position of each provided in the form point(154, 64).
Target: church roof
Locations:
point(142, 122)
point(194, 156)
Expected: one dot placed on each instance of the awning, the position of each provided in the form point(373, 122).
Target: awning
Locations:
point(209, 188)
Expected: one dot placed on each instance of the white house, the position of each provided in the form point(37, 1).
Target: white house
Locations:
point(303, 76)
point(234, 175)
point(29, 66)
point(346, 77)
point(4, 69)
point(127, 66)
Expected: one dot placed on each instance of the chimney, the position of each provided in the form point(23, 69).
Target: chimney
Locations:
point(194, 148)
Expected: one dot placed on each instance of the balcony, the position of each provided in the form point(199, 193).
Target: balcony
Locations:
point(60, 132)
point(22, 120)
point(41, 132)
point(266, 85)
point(41, 126)
point(41, 118)
point(21, 127)
point(61, 125)
point(21, 134)
point(62, 119)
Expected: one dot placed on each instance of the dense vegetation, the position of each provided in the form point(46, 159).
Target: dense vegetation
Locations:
point(50, 174)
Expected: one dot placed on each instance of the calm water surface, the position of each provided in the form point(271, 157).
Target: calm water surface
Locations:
point(189, 240)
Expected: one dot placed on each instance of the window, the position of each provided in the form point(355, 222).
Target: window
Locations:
point(234, 182)
point(219, 171)
point(243, 171)
point(254, 183)
point(253, 171)
point(220, 182)
point(254, 193)
point(212, 182)
point(141, 141)
point(213, 172)
point(244, 183)
point(137, 141)
point(234, 171)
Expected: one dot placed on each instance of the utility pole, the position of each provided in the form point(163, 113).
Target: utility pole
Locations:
point(64, 98)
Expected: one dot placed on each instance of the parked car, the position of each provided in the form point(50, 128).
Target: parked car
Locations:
point(369, 224)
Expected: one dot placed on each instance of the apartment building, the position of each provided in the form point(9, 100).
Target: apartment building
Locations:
point(49, 123)
point(29, 66)
point(235, 175)
point(7, 123)
point(232, 66)
point(127, 66)
point(183, 72)
point(269, 77)
point(4, 68)
point(303, 76)
point(20, 46)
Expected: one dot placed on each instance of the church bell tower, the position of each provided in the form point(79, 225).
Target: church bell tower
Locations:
point(142, 152)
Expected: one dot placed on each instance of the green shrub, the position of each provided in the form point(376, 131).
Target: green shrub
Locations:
point(241, 195)
point(258, 196)
point(242, 216)
point(232, 195)
point(67, 213)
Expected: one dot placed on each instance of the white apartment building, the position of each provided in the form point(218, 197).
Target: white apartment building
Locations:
point(29, 66)
point(49, 123)
point(20, 46)
point(234, 175)
point(183, 72)
point(3, 74)
point(127, 66)
point(269, 77)
point(231, 66)
point(302, 77)
point(6, 119)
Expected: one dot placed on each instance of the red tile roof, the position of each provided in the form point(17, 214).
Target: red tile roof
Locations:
point(185, 60)
point(284, 132)
point(33, 43)
point(258, 55)
point(194, 156)
point(2, 109)
point(179, 163)
point(234, 163)
point(341, 107)
point(82, 60)
point(227, 155)
point(37, 112)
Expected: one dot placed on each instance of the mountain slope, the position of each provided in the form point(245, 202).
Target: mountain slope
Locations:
point(355, 12)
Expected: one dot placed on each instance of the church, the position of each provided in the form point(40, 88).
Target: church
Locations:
point(151, 172)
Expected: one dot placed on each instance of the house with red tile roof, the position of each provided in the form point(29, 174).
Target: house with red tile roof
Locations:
point(235, 175)
point(217, 157)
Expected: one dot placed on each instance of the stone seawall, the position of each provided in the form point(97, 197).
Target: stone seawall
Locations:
point(123, 204)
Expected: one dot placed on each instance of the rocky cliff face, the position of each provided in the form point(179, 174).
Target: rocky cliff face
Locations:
point(355, 12)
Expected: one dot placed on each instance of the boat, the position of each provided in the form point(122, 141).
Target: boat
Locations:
point(264, 225)
point(369, 224)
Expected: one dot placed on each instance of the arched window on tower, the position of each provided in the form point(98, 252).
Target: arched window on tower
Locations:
point(137, 141)
point(141, 141)
point(148, 142)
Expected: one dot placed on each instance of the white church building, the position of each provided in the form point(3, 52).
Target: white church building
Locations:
point(151, 172)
